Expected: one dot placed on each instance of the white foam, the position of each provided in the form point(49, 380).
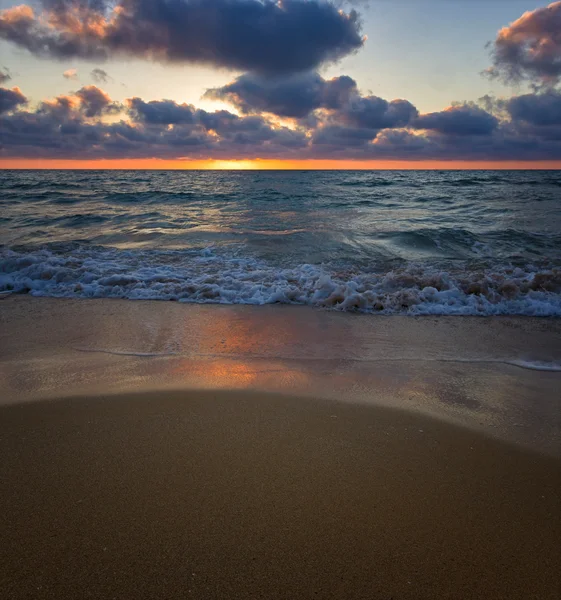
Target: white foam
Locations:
point(536, 365)
point(207, 277)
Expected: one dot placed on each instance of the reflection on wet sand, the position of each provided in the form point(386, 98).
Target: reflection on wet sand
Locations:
point(53, 348)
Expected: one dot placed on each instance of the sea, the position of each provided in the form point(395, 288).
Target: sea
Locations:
point(379, 242)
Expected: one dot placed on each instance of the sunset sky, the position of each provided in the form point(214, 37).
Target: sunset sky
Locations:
point(286, 84)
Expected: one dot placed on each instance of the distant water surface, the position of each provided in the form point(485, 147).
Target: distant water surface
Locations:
point(409, 242)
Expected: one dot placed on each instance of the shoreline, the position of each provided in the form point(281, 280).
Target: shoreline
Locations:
point(23, 296)
point(496, 376)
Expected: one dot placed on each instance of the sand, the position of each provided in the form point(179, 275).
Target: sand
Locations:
point(240, 495)
point(384, 478)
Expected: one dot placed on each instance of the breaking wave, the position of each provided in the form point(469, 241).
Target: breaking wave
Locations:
point(211, 276)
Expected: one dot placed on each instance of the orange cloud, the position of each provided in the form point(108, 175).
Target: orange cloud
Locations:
point(530, 47)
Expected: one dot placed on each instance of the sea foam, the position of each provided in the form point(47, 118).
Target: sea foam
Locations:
point(210, 276)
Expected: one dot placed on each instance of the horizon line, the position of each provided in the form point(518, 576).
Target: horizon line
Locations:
point(273, 165)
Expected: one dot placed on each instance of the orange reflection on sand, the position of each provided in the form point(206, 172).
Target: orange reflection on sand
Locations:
point(224, 344)
point(233, 335)
point(230, 353)
point(251, 374)
point(223, 374)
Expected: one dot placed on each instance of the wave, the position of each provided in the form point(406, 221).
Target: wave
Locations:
point(208, 276)
point(148, 197)
point(462, 243)
point(368, 183)
point(464, 182)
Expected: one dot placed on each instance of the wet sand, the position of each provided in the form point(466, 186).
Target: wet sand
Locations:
point(242, 495)
point(499, 376)
point(152, 450)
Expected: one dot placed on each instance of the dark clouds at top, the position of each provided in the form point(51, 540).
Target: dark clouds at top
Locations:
point(530, 48)
point(261, 36)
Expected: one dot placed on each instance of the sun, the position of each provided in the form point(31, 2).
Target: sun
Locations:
point(232, 165)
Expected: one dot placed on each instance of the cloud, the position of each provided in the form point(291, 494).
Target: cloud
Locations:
point(162, 112)
point(263, 36)
point(309, 97)
point(94, 102)
point(530, 48)
point(5, 75)
point(337, 137)
point(88, 102)
point(374, 113)
point(70, 74)
point(220, 125)
point(459, 120)
point(286, 96)
point(11, 99)
point(100, 76)
point(536, 109)
point(536, 115)
point(65, 128)
point(77, 126)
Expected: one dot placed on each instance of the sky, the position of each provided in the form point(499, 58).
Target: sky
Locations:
point(276, 84)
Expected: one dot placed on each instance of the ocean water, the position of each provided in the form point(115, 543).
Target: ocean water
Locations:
point(400, 242)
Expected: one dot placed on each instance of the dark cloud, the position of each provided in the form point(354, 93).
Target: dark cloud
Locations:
point(65, 128)
point(89, 102)
point(263, 36)
point(95, 102)
point(162, 112)
point(534, 115)
point(536, 109)
point(11, 99)
point(404, 144)
point(371, 112)
point(401, 144)
point(5, 75)
point(220, 125)
point(530, 48)
point(335, 104)
point(337, 137)
point(78, 126)
point(60, 109)
point(459, 120)
point(100, 76)
point(287, 96)
point(337, 92)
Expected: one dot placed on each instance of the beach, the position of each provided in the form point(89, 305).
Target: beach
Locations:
point(280, 300)
point(161, 450)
